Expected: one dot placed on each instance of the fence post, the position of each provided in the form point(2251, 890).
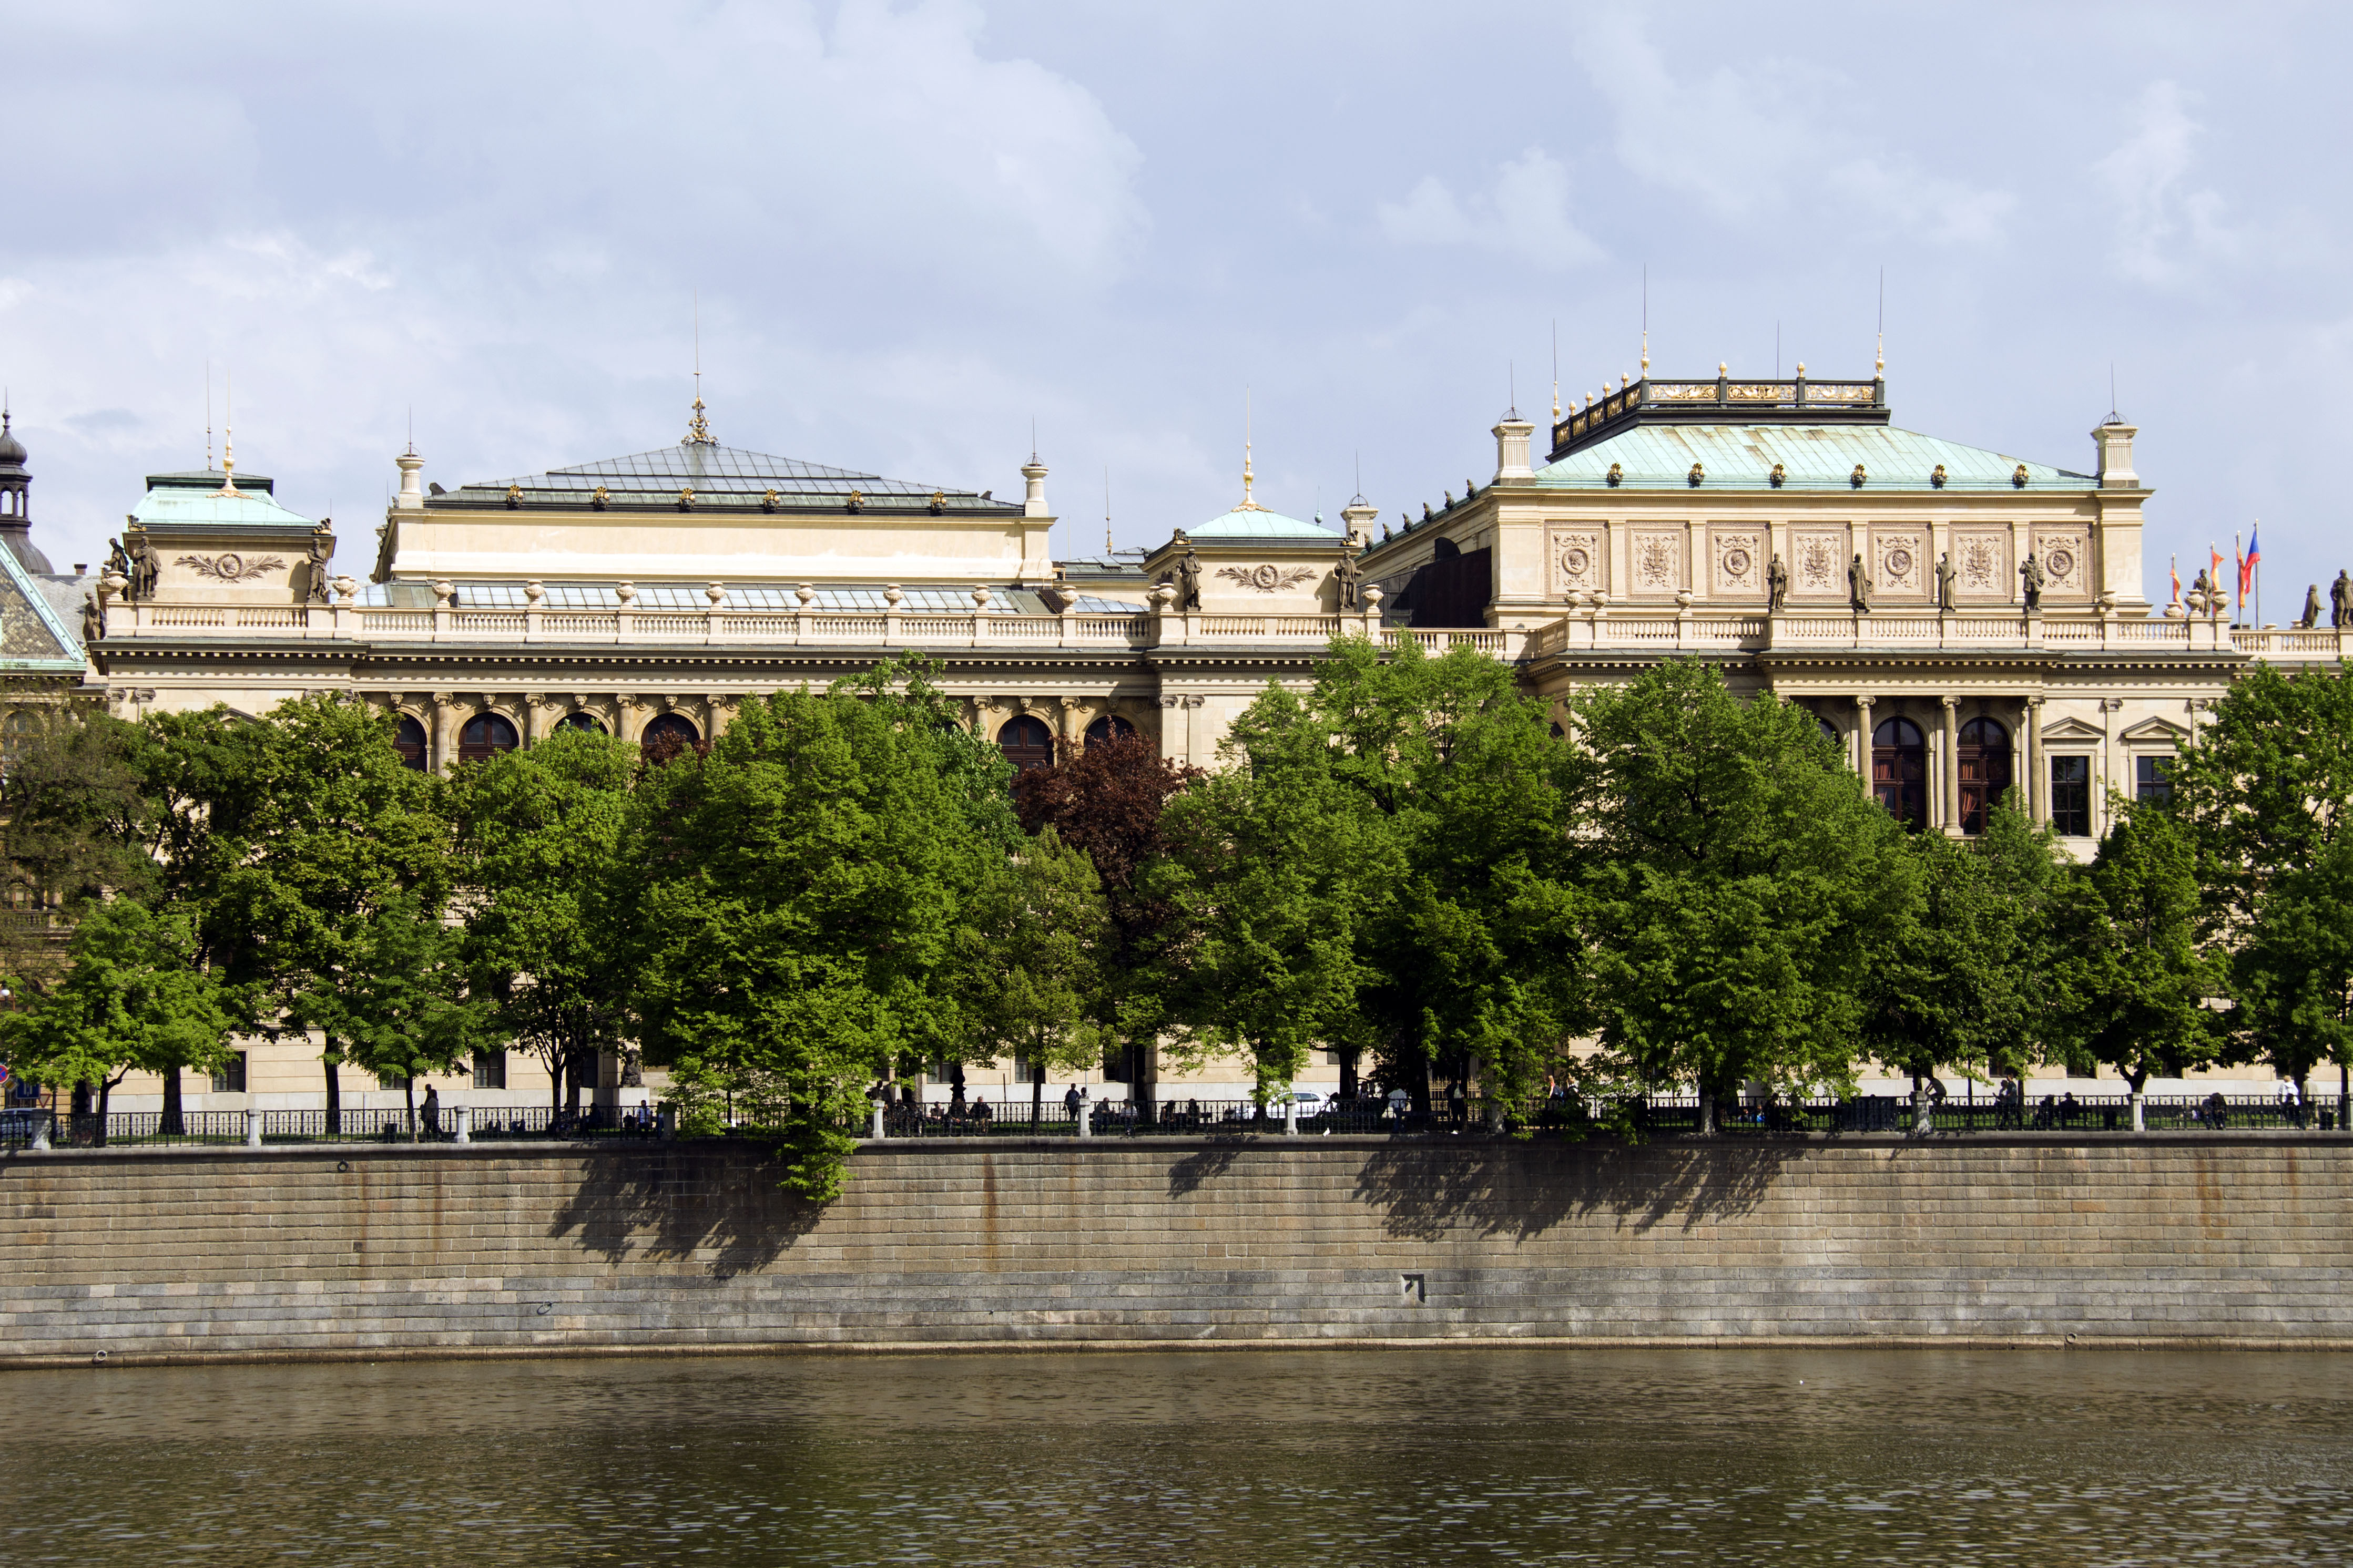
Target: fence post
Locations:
point(45, 1121)
point(253, 1128)
point(1290, 1116)
point(1084, 1116)
point(2139, 1123)
point(875, 1131)
point(461, 1124)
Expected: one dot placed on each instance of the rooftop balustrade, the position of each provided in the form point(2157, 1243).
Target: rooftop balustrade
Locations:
point(1589, 626)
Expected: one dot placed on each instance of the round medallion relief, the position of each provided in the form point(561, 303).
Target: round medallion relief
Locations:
point(2063, 563)
point(1737, 563)
point(231, 567)
point(1265, 578)
point(1575, 561)
point(1899, 562)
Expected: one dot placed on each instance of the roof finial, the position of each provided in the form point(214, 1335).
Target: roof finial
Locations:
point(1248, 504)
point(208, 416)
point(1107, 543)
point(698, 428)
point(1879, 361)
point(1646, 321)
point(1555, 370)
point(229, 435)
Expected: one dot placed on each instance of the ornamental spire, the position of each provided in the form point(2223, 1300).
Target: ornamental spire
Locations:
point(1248, 504)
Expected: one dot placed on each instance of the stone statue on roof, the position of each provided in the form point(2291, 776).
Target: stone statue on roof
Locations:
point(322, 546)
point(146, 567)
point(2340, 599)
point(1945, 575)
point(2311, 616)
point(1348, 575)
point(93, 620)
point(1776, 584)
point(2030, 575)
point(1858, 585)
point(116, 561)
point(1188, 580)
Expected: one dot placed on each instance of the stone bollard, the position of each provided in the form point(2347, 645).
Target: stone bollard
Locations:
point(1290, 1116)
point(875, 1131)
point(253, 1128)
point(1086, 1120)
point(461, 1124)
point(43, 1123)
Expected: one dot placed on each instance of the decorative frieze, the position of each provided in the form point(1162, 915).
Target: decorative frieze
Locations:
point(1737, 563)
point(1818, 563)
point(2066, 559)
point(1899, 563)
point(1981, 569)
point(1654, 563)
point(1577, 561)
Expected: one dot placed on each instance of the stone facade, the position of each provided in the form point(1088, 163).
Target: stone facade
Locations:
point(356, 1250)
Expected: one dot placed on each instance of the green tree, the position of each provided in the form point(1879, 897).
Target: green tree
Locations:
point(1273, 867)
point(2130, 982)
point(321, 838)
point(2266, 786)
point(1953, 976)
point(1735, 874)
point(800, 888)
point(1030, 963)
point(132, 998)
point(541, 835)
point(402, 1006)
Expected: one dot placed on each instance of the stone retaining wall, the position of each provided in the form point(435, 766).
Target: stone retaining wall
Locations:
point(376, 1250)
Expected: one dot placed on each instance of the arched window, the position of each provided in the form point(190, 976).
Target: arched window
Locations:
point(16, 733)
point(1832, 733)
point(1027, 742)
point(668, 735)
point(588, 721)
point(484, 736)
point(1985, 770)
point(1899, 770)
point(408, 740)
point(1110, 727)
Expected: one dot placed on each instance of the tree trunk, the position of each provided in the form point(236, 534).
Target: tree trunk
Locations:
point(1706, 1111)
point(79, 1128)
point(573, 1063)
point(173, 1122)
point(408, 1094)
point(1141, 1086)
point(1037, 1088)
point(1348, 1073)
point(334, 1093)
point(956, 1090)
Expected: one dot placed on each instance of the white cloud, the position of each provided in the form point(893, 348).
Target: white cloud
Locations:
point(1756, 140)
point(2163, 232)
point(1523, 213)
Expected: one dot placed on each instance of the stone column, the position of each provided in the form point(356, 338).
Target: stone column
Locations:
point(1951, 776)
point(539, 711)
point(1862, 742)
point(722, 710)
point(1075, 716)
point(630, 715)
point(1170, 748)
point(2029, 760)
point(445, 727)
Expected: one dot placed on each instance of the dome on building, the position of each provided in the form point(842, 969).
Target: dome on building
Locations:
point(12, 451)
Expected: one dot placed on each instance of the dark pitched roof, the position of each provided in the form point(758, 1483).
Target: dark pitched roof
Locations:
point(718, 476)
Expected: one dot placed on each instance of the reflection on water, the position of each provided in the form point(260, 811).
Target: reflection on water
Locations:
point(1470, 1455)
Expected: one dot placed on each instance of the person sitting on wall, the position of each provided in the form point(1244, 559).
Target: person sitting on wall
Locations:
point(980, 1111)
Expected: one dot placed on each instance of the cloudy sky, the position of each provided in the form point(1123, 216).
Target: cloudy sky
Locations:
point(915, 229)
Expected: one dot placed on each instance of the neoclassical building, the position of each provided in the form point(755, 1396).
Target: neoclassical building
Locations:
point(1959, 620)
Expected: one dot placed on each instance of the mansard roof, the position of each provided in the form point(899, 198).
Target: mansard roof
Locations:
point(201, 498)
point(1813, 457)
point(718, 476)
point(33, 635)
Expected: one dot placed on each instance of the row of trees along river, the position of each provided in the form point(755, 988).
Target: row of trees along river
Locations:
point(1407, 865)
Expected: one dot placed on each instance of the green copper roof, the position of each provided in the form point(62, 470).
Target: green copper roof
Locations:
point(33, 635)
point(1256, 523)
point(1813, 457)
point(196, 500)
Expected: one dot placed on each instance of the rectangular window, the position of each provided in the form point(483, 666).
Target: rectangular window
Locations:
point(230, 1079)
point(2071, 796)
point(392, 1080)
point(489, 1069)
point(2149, 782)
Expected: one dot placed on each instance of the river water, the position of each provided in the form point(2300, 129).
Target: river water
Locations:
point(1465, 1455)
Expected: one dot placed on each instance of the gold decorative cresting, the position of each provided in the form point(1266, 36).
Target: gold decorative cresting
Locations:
point(698, 428)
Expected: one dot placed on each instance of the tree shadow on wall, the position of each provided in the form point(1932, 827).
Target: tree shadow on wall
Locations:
point(1524, 1190)
point(669, 1205)
point(1188, 1174)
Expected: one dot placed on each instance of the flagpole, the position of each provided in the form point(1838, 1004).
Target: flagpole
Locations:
point(2239, 564)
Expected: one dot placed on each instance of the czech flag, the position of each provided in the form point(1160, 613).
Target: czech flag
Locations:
point(2247, 562)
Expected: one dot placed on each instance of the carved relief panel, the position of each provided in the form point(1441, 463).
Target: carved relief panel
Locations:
point(1981, 569)
point(1654, 563)
point(2066, 562)
point(1818, 563)
point(1899, 563)
point(1579, 563)
point(1737, 563)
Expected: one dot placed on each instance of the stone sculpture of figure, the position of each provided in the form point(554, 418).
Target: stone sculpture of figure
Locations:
point(147, 566)
point(1348, 574)
point(1777, 583)
point(1858, 585)
point(319, 552)
point(2311, 616)
point(2340, 600)
point(2031, 575)
point(116, 561)
point(93, 620)
point(1189, 578)
point(1945, 575)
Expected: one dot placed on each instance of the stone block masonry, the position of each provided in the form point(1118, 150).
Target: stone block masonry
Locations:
point(385, 1250)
